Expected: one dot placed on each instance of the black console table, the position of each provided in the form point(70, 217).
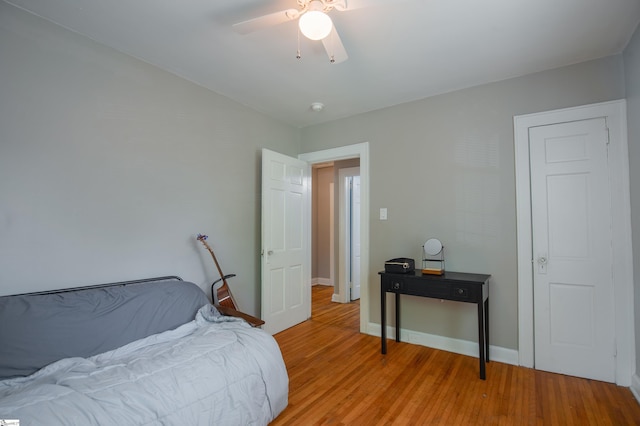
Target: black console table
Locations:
point(457, 286)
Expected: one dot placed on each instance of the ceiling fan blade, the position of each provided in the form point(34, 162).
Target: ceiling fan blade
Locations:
point(262, 22)
point(334, 47)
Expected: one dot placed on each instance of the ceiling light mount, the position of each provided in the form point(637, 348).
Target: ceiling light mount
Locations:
point(315, 24)
point(327, 5)
point(317, 106)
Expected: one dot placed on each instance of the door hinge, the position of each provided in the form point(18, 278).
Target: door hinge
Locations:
point(608, 136)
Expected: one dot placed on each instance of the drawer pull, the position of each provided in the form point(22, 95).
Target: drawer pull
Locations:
point(462, 292)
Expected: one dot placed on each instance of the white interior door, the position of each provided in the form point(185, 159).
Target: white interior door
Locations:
point(349, 239)
point(574, 329)
point(286, 248)
point(355, 238)
point(332, 262)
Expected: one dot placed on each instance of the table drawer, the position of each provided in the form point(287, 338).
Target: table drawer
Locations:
point(466, 292)
point(437, 290)
point(394, 285)
point(450, 290)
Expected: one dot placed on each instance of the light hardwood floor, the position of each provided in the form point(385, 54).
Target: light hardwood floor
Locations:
point(338, 377)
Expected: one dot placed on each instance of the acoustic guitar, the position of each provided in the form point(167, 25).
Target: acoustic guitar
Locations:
point(222, 296)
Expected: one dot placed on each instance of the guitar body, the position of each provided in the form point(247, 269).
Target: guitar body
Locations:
point(222, 295)
point(225, 298)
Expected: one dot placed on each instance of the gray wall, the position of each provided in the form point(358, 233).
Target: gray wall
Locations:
point(632, 78)
point(321, 239)
point(444, 167)
point(109, 167)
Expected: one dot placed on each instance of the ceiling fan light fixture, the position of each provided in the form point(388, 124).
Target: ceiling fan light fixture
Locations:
point(315, 25)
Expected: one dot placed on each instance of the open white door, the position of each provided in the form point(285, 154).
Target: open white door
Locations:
point(349, 232)
point(286, 248)
point(355, 237)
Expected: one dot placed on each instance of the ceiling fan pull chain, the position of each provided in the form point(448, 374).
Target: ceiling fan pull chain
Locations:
point(332, 57)
point(298, 55)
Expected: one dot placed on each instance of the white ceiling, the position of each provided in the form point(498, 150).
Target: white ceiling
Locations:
point(399, 50)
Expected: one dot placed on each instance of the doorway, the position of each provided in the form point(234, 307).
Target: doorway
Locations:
point(531, 263)
point(340, 244)
point(361, 152)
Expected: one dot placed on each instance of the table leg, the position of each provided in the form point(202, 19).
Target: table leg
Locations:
point(383, 319)
point(397, 317)
point(486, 327)
point(481, 340)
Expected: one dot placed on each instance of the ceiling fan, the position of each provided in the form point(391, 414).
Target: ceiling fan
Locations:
point(313, 21)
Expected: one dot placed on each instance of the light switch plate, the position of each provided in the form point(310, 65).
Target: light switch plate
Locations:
point(383, 213)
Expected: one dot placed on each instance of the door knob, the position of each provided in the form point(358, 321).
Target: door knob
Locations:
point(542, 264)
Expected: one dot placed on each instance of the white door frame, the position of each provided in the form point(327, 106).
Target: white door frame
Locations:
point(615, 114)
point(360, 150)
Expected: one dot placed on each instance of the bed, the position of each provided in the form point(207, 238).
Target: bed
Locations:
point(145, 352)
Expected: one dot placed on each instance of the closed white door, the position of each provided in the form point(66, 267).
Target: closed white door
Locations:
point(286, 258)
point(355, 238)
point(574, 329)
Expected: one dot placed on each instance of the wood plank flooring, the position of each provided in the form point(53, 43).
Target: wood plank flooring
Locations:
point(338, 377)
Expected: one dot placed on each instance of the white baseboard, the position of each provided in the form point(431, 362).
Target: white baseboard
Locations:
point(336, 298)
point(635, 386)
point(463, 347)
point(321, 281)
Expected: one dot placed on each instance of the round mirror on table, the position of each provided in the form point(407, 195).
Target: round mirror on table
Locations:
point(433, 257)
point(432, 247)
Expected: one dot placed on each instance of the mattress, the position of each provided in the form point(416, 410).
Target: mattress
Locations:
point(212, 370)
